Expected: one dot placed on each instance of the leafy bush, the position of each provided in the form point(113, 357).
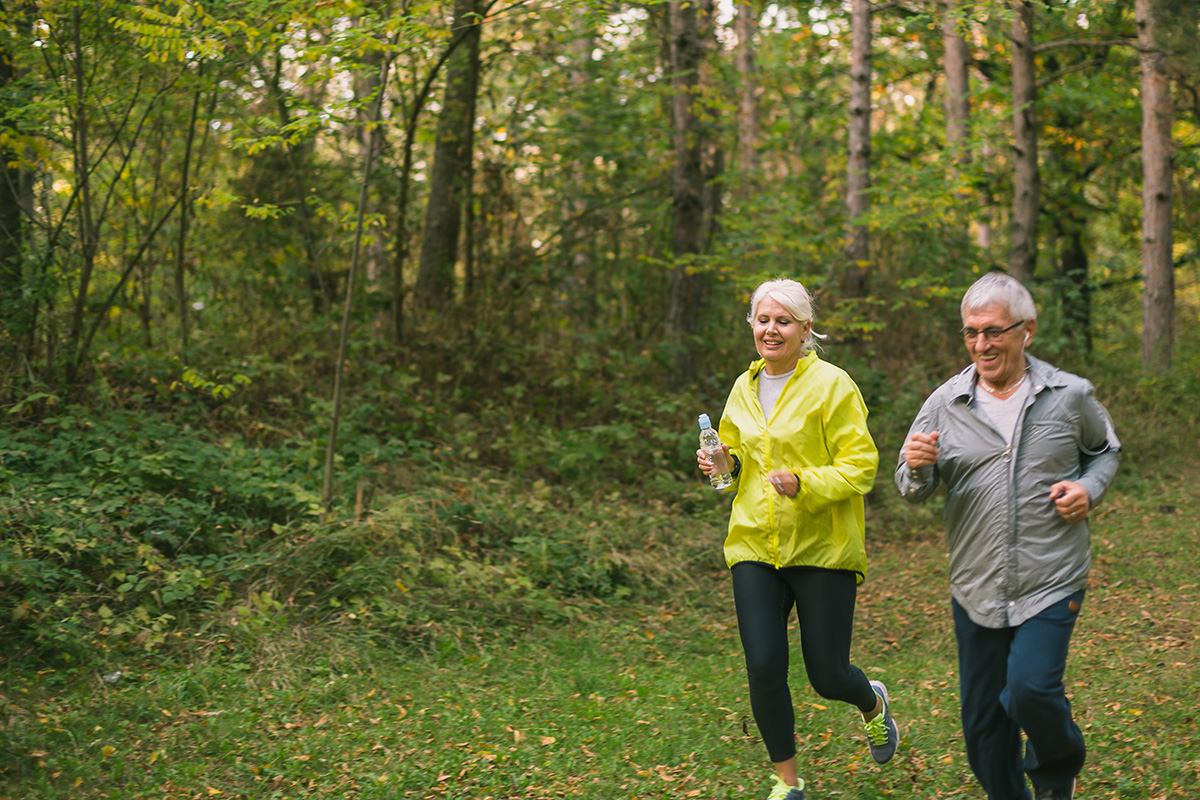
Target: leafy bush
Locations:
point(490, 553)
point(132, 528)
point(121, 526)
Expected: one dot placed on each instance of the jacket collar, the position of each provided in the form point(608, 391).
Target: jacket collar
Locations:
point(1041, 375)
point(806, 361)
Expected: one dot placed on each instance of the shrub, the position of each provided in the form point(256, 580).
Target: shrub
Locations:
point(122, 525)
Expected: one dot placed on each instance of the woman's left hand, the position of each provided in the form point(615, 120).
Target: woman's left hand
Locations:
point(784, 482)
point(1071, 501)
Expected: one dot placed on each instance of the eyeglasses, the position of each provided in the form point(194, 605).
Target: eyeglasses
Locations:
point(989, 334)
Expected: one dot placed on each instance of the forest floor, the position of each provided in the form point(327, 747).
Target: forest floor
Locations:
point(628, 701)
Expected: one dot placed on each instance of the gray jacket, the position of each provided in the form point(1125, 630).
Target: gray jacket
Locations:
point(1011, 554)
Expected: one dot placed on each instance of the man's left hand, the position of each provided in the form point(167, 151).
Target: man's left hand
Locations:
point(1071, 501)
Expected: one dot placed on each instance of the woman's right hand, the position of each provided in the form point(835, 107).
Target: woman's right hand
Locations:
point(705, 463)
point(921, 450)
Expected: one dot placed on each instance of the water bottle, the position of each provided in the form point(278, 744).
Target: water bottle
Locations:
point(710, 443)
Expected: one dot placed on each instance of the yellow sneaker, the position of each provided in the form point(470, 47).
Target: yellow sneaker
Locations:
point(882, 734)
point(784, 792)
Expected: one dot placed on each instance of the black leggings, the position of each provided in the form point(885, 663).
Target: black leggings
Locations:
point(824, 601)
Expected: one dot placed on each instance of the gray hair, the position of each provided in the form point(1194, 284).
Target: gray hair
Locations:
point(998, 289)
point(795, 300)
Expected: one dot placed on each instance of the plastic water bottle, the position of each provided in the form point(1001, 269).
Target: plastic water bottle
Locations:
point(710, 443)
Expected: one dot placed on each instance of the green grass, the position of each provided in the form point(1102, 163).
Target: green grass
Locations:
point(626, 699)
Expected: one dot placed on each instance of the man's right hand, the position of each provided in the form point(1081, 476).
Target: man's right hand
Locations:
point(921, 450)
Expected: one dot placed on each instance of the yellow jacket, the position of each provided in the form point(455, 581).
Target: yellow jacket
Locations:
point(818, 430)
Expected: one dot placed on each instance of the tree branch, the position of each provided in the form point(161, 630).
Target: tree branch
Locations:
point(1049, 79)
point(1085, 43)
point(102, 313)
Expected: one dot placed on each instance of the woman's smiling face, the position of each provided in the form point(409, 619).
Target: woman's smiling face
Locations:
point(778, 336)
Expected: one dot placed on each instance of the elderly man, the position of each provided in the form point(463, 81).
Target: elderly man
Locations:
point(1026, 452)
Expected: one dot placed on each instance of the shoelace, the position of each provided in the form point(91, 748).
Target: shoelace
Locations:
point(877, 730)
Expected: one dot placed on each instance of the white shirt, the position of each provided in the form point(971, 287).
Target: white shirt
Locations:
point(769, 389)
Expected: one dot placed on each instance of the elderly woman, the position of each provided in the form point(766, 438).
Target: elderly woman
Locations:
point(1026, 452)
point(796, 428)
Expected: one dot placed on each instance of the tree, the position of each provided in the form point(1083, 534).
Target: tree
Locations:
point(411, 112)
point(746, 25)
point(1022, 258)
point(450, 180)
point(185, 192)
point(956, 61)
point(369, 120)
point(577, 234)
point(1158, 270)
point(689, 23)
point(12, 225)
point(858, 179)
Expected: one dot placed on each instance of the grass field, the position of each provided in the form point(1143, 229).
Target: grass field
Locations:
point(627, 700)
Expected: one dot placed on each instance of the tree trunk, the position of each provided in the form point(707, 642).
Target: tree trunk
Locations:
point(411, 116)
point(369, 135)
point(578, 236)
point(185, 194)
point(712, 154)
point(713, 159)
point(955, 65)
point(746, 26)
point(1075, 294)
point(1158, 290)
point(12, 226)
point(958, 86)
point(367, 85)
point(88, 235)
point(297, 163)
point(448, 185)
point(1022, 257)
point(687, 179)
point(858, 182)
point(400, 251)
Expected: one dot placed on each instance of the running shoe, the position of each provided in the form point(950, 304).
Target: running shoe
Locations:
point(882, 734)
point(784, 792)
point(1043, 793)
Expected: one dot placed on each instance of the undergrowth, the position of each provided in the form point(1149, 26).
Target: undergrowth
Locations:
point(176, 515)
point(495, 492)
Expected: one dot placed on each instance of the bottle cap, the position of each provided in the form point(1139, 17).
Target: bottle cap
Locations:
point(704, 422)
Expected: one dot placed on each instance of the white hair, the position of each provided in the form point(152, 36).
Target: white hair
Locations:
point(795, 300)
point(998, 289)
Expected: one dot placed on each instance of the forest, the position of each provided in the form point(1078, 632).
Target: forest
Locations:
point(387, 323)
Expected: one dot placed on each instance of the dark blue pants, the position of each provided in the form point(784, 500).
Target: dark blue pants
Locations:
point(824, 602)
point(1011, 680)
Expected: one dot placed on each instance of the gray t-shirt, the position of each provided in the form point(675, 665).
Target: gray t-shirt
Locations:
point(1004, 414)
